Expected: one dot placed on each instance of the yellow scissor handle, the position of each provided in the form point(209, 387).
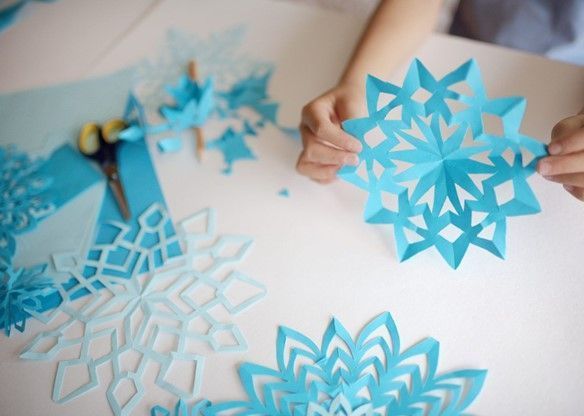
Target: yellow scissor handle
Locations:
point(111, 129)
point(88, 142)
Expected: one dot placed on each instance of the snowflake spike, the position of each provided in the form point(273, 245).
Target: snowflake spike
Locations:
point(284, 335)
point(92, 383)
point(385, 321)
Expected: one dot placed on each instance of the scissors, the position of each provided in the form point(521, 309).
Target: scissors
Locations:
point(99, 143)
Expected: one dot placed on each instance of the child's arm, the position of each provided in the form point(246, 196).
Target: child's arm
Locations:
point(396, 28)
point(566, 163)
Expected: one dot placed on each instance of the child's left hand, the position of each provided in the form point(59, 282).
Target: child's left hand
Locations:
point(565, 164)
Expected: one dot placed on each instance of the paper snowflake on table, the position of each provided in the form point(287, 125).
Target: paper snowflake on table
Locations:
point(24, 197)
point(185, 301)
point(21, 291)
point(369, 375)
point(448, 156)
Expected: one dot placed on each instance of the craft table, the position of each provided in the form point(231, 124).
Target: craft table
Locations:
point(519, 318)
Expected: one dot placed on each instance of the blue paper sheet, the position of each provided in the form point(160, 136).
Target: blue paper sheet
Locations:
point(169, 144)
point(446, 165)
point(366, 375)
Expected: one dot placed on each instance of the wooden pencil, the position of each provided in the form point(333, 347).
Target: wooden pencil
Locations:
point(199, 137)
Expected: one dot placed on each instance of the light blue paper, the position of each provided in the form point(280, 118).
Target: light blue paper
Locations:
point(284, 192)
point(193, 104)
point(162, 303)
point(368, 375)
point(442, 163)
point(233, 147)
point(169, 144)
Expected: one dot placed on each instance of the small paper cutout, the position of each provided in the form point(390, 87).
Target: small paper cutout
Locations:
point(170, 144)
point(21, 291)
point(181, 409)
point(284, 192)
point(135, 314)
point(233, 146)
point(9, 15)
point(369, 375)
point(443, 166)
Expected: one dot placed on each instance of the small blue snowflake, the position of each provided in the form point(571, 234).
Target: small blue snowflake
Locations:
point(445, 166)
point(369, 375)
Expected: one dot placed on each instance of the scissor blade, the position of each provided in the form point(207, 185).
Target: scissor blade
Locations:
point(118, 190)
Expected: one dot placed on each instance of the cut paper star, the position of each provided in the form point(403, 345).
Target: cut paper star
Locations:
point(440, 165)
point(164, 317)
point(233, 147)
point(21, 291)
point(193, 104)
point(366, 375)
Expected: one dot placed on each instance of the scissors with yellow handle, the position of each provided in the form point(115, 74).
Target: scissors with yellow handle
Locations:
point(99, 143)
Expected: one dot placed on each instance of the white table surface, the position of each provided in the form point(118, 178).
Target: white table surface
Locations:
point(520, 318)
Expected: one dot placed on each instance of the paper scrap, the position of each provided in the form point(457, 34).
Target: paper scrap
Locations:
point(284, 192)
point(365, 375)
point(445, 167)
point(169, 144)
point(233, 147)
point(181, 409)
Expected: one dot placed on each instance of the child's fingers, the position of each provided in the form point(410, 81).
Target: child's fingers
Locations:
point(571, 179)
point(316, 116)
point(569, 144)
point(318, 172)
point(319, 153)
point(567, 125)
point(559, 165)
point(575, 191)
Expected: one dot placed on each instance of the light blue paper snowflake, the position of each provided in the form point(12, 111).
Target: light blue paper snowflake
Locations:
point(369, 375)
point(21, 291)
point(185, 301)
point(24, 197)
point(459, 170)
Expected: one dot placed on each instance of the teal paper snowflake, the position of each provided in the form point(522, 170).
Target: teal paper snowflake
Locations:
point(369, 375)
point(441, 167)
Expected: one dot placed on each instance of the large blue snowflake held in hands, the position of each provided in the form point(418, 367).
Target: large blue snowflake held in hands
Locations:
point(369, 375)
point(442, 168)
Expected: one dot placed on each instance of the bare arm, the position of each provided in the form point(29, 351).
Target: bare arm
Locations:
point(395, 30)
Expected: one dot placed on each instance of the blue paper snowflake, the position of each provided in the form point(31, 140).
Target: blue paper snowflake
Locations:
point(186, 301)
point(21, 291)
point(448, 156)
point(369, 375)
point(24, 196)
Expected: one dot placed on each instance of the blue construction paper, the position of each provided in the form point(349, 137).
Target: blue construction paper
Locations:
point(21, 293)
point(170, 144)
point(164, 303)
point(284, 192)
point(366, 375)
point(442, 163)
point(181, 409)
point(233, 147)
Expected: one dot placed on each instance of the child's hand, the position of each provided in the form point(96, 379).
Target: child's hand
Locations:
point(326, 146)
point(566, 163)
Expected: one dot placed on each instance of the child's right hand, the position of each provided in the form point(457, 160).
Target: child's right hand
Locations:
point(326, 146)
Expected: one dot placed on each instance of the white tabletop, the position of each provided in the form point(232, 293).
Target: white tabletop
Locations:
point(520, 318)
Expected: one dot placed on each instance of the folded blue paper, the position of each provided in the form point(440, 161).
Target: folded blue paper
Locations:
point(366, 375)
point(463, 188)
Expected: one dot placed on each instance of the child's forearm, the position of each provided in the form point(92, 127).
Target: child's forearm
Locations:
point(394, 31)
